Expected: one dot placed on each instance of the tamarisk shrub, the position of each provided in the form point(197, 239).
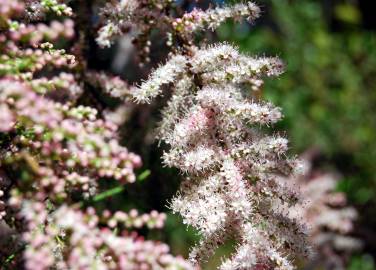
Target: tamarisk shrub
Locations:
point(214, 125)
point(55, 150)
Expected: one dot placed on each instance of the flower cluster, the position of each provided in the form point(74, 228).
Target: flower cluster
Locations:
point(55, 150)
point(118, 17)
point(37, 9)
point(35, 34)
point(330, 221)
point(212, 125)
point(212, 18)
point(24, 63)
point(125, 16)
point(72, 240)
point(140, 18)
point(72, 139)
point(111, 85)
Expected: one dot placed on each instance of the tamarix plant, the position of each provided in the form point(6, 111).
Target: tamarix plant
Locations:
point(55, 149)
point(212, 124)
point(54, 152)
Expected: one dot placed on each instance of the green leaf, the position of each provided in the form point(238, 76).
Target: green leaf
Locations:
point(145, 174)
point(116, 190)
point(108, 193)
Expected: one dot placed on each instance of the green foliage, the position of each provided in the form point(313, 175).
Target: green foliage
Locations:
point(364, 262)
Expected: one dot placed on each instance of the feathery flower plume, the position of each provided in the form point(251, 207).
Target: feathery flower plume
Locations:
point(212, 125)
